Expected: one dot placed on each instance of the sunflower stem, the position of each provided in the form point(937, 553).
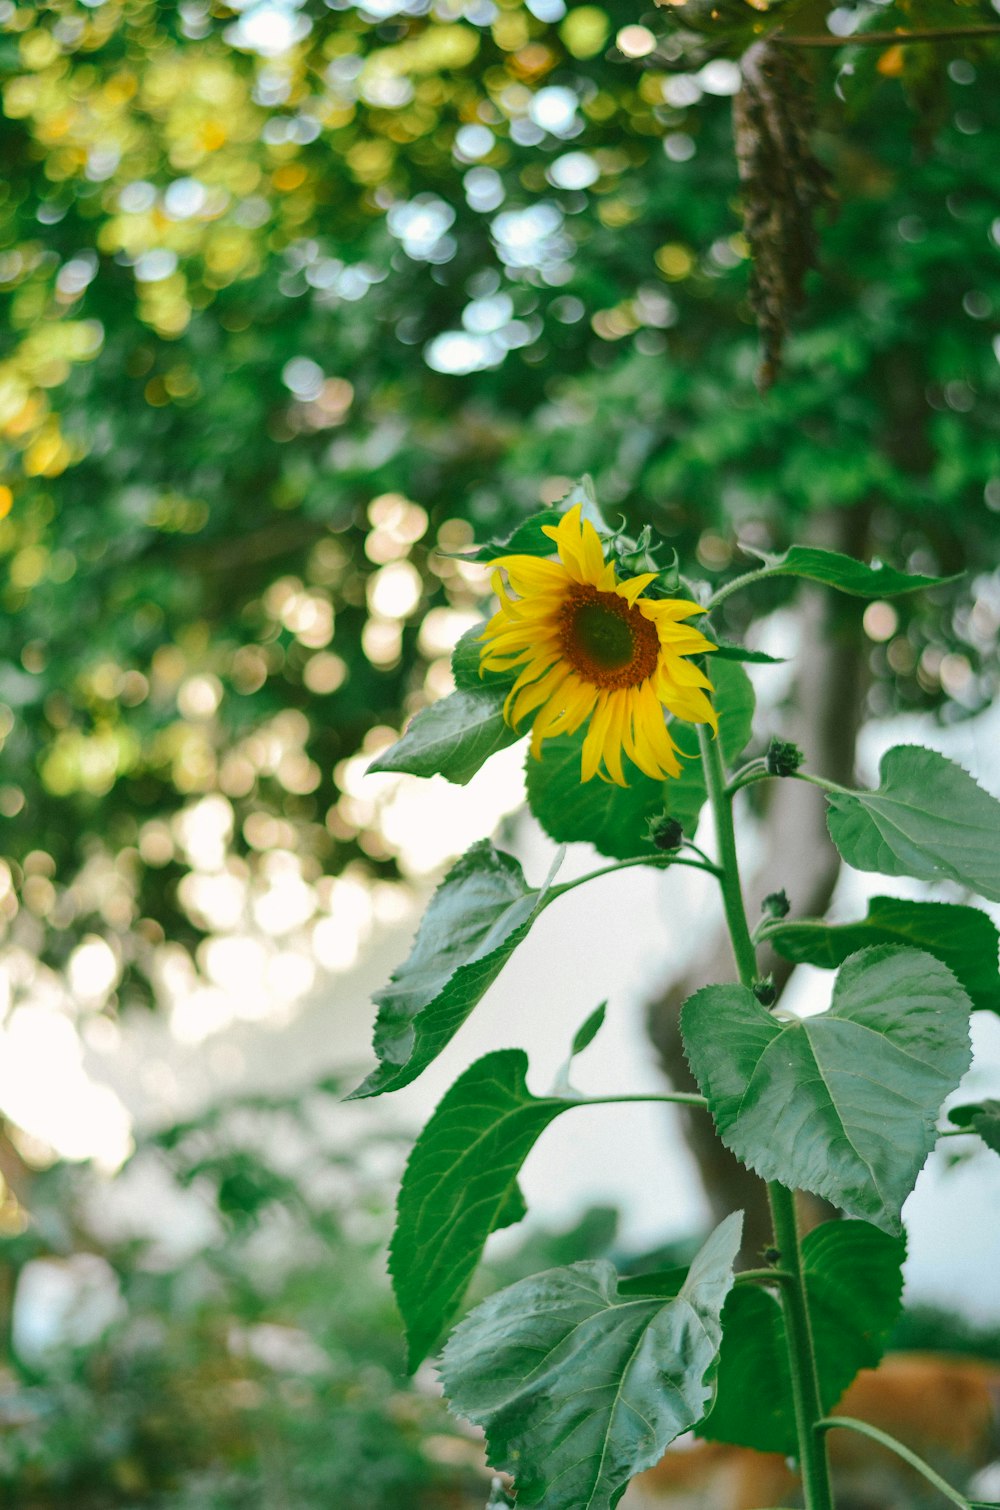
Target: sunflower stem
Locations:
point(801, 1351)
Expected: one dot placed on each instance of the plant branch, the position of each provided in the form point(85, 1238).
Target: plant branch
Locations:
point(661, 862)
point(830, 1423)
point(747, 778)
point(747, 579)
point(765, 1277)
point(886, 38)
point(685, 1098)
point(821, 781)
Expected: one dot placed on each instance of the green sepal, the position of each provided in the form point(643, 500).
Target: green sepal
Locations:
point(854, 1287)
point(578, 1386)
point(963, 938)
point(928, 819)
point(477, 917)
point(616, 819)
point(857, 578)
point(845, 1103)
point(460, 1184)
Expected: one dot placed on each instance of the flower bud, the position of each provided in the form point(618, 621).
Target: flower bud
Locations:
point(782, 758)
point(665, 832)
point(776, 904)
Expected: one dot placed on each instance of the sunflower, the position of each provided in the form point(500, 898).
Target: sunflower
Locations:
point(586, 645)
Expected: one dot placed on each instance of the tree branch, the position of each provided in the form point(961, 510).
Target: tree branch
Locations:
point(886, 38)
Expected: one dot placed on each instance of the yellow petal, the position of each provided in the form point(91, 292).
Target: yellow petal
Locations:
point(593, 744)
point(533, 574)
point(633, 586)
point(670, 608)
point(613, 739)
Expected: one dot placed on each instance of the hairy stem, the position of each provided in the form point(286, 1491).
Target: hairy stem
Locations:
point(801, 1353)
point(802, 1358)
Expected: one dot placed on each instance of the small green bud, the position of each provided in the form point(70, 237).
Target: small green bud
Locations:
point(782, 758)
point(776, 904)
point(766, 991)
point(665, 833)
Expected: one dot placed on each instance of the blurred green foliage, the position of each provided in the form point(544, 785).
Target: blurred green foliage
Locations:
point(242, 1350)
point(221, 1332)
point(294, 294)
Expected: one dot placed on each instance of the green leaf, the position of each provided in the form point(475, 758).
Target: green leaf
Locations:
point(457, 735)
point(854, 1287)
point(963, 938)
point(476, 919)
point(453, 738)
point(843, 572)
point(579, 1387)
point(615, 819)
point(465, 664)
point(928, 819)
point(845, 1103)
point(588, 1030)
point(584, 1036)
point(725, 650)
point(457, 1188)
point(526, 540)
point(982, 1117)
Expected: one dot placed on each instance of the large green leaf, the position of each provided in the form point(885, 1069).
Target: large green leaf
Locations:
point(460, 1185)
point(580, 1387)
point(457, 735)
point(843, 572)
point(963, 938)
point(845, 1103)
point(615, 819)
point(854, 1286)
point(476, 919)
point(928, 819)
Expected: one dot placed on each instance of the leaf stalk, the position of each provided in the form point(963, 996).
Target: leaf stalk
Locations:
point(883, 1438)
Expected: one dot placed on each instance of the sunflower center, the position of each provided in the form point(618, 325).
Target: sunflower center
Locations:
point(606, 641)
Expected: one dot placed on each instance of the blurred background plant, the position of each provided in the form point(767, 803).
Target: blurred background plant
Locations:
point(296, 296)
